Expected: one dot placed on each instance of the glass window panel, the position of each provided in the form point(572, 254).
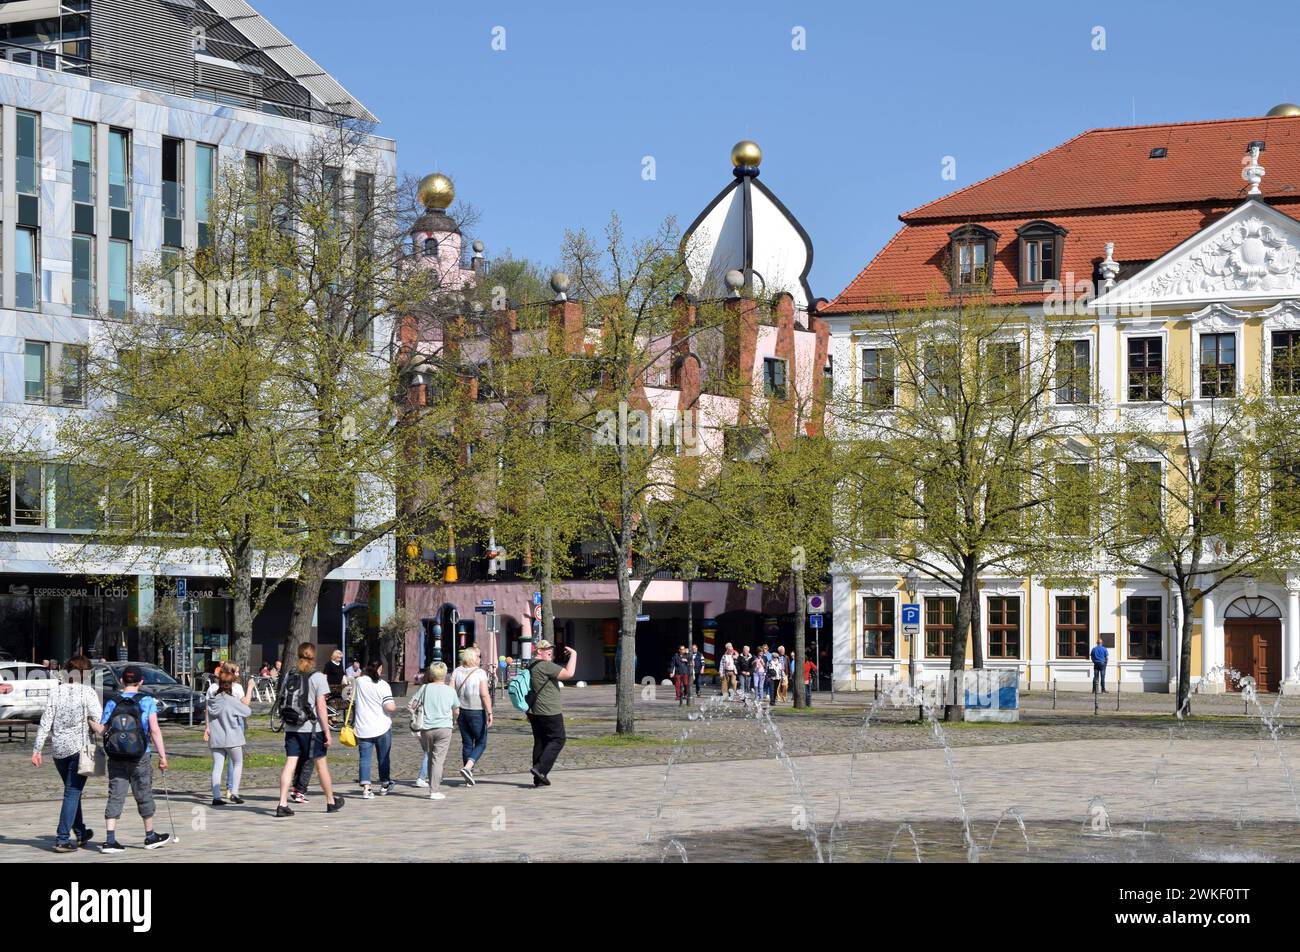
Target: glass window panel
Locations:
point(83, 275)
point(119, 169)
point(35, 362)
point(205, 161)
point(29, 496)
point(25, 274)
point(118, 277)
point(83, 163)
point(28, 153)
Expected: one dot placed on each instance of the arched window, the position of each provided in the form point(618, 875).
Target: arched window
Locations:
point(972, 249)
point(1041, 246)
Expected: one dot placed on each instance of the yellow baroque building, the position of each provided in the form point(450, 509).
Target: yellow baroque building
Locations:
point(1171, 255)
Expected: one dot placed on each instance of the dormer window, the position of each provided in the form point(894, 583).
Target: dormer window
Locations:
point(1041, 244)
point(972, 256)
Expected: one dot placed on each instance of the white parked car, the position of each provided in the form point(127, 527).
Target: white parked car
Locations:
point(24, 690)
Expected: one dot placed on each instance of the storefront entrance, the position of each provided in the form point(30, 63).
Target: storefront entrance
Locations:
point(1252, 642)
point(56, 617)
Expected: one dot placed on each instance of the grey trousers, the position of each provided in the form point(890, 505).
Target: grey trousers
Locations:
point(435, 743)
point(219, 755)
point(138, 776)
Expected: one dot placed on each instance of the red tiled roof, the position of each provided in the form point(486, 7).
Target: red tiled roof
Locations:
point(1100, 186)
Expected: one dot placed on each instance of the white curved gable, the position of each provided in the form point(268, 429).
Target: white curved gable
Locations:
point(781, 252)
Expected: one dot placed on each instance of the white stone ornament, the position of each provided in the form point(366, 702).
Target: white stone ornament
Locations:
point(1254, 172)
point(1251, 255)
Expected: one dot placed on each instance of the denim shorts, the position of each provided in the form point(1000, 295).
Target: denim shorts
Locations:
point(303, 744)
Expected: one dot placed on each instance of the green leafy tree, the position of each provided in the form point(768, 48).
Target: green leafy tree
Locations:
point(1198, 493)
point(948, 452)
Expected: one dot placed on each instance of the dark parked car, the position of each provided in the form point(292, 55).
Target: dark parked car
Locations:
point(174, 699)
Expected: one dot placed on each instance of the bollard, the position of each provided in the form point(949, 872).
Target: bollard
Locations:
point(1118, 692)
point(1053, 693)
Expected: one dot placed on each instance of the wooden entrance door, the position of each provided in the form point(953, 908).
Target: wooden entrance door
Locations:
point(1253, 646)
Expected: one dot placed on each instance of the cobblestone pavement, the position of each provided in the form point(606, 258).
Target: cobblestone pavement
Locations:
point(827, 728)
point(635, 811)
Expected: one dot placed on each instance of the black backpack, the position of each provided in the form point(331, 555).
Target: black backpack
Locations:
point(295, 709)
point(125, 737)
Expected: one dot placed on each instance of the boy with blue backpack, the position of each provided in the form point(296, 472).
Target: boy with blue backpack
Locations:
point(130, 724)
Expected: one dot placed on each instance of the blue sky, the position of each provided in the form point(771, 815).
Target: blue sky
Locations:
point(551, 132)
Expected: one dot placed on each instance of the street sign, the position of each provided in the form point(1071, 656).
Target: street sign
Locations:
point(814, 620)
point(486, 603)
point(537, 598)
point(816, 604)
point(180, 588)
point(911, 619)
point(484, 610)
point(642, 617)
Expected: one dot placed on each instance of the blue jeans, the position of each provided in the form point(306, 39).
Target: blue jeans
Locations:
point(1098, 672)
point(473, 735)
point(70, 820)
point(383, 746)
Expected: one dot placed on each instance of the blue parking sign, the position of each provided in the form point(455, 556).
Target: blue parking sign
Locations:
point(911, 615)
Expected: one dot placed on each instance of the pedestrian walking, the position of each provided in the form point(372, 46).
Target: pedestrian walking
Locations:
point(434, 708)
point(546, 710)
point(470, 682)
point(727, 668)
point(306, 728)
point(783, 670)
point(240, 694)
point(71, 714)
point(130, 736)
point(760, 678)
point(679, 669)
point(1099, 656)
point(745, 667)
point(808, 670)
point(224, 731)
point(372, 722)
point(697, 666)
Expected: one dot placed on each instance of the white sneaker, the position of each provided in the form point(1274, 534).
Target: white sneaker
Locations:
point(421, 782)
point(368, 794)
point(437, 796)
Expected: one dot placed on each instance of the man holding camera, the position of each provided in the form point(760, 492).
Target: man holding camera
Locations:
point(546, 711)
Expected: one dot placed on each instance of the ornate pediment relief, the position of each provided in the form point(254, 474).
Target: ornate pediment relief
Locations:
point(1251, 254)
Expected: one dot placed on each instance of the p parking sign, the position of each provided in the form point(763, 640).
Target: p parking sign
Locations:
point(911, 617)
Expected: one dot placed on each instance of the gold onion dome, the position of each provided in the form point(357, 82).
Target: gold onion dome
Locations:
point(746, 154)
point(1285, 109)
point(436, 192)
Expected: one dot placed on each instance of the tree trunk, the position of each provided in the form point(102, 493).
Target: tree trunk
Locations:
point(545, 583)
point(243, 586)
point(976, 639)
point(306, 593)
point(625, 690)
point(961, 626)
point(1184, 654)
point(800, 638)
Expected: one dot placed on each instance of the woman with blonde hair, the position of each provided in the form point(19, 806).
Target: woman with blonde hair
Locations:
point(301, 700)
point(225, 732)
point(434, 711)
point(471, 684)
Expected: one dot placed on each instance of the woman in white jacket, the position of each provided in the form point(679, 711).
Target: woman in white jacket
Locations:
point(73, 711)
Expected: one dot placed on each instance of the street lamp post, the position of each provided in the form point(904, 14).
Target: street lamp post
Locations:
point(909, 587)
point(690, 570)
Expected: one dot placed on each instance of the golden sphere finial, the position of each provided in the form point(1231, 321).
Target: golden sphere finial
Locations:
point(746, 153)
point(436, 191)
point(1285, 109)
